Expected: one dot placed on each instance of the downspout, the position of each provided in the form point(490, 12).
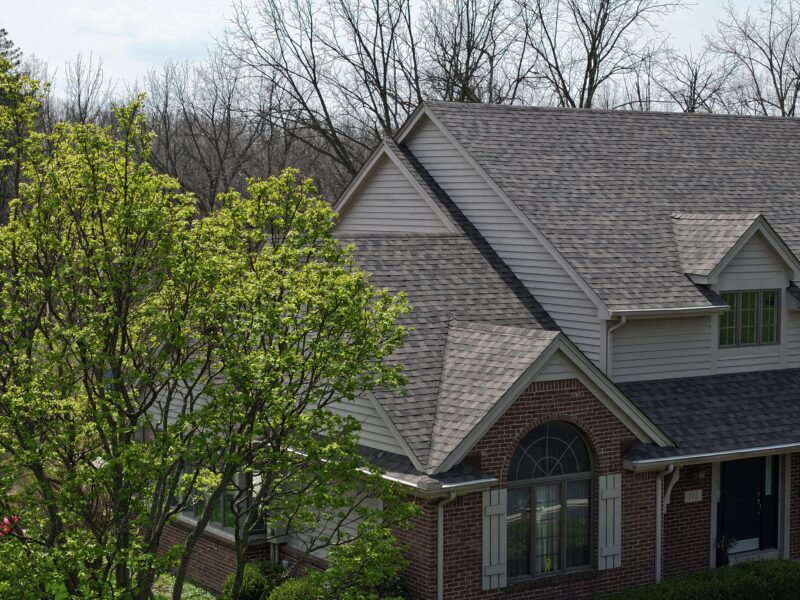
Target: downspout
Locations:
point(440, 544)
point(662, 501)
point(610, 345)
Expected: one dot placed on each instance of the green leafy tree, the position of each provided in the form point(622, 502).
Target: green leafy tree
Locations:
point(20, 99)
point(147, 356)
point(298, 328)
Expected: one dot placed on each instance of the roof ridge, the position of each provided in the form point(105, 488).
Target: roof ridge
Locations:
point(438, 391)
point(610, 111)
point(473, 325)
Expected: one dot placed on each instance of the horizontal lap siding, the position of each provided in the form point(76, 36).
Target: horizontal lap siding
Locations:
point(756, 266)
point(514, 243)
point(374, 433)
point(792, 338)
point(557, 368)
point(657, 348)
point(389, 202)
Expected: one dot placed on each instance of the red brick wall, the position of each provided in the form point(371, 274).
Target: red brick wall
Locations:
point(794, 514)
point(687, 527)
point(609, 439)
point(213, 558)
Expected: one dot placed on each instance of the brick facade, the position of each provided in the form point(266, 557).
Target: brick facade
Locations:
point(794, 511)
point(213, 558)
point(687, 526)
point(566, 400)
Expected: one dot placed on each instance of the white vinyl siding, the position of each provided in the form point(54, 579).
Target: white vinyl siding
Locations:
point(557, 368)
point(757, 267)
point(375, 433)
point(339, 531)
point(530, 261)
point(389, 202)
point(662, 348)
point(792, 335)
point(609, 552)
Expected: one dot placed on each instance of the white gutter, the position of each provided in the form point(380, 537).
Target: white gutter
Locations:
point(658, 312)
point(440, 545)
point(610, 344)
point(704, 457)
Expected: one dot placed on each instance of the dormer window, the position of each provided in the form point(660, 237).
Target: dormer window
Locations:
point(753, 318)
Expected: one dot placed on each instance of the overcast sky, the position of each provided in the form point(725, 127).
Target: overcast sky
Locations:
point(132, 37)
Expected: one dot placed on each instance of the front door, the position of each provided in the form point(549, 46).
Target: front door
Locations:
point(749, 504)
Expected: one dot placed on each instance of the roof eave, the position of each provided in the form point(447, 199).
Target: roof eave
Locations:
point(653, 464)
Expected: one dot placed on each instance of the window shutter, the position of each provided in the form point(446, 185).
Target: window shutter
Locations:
point(609, 554)
point(494, 539)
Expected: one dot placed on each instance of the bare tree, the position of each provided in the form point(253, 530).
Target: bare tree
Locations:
point(696, 82)
point(475, 51)
point(764, 49)
point(88, 93)
point(584, 44)
point(346, 71)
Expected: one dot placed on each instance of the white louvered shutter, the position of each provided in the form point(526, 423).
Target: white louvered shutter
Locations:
point(609, 555)
point(494, 539)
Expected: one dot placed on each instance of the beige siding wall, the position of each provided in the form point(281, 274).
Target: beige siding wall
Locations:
point(756, 266)
point(389, 202)
point(557, 368)
point(688, 347)
point(375, 433)
point(515, 244)
point(662, 348)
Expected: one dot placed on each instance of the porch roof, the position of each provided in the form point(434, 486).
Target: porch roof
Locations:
point(719, 416)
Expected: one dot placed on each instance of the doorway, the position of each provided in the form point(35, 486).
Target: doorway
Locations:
point(748, 510)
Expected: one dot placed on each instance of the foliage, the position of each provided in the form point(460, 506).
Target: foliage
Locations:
point(149, 357)
point(162, 590)
point(20, 98)
point(766, 580)
point(260, 578)
point(299, 588)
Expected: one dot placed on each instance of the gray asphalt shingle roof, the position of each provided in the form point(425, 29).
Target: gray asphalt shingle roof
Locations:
point(703, 239)
point(721, 412)
point(447, 281)
point(602, 185)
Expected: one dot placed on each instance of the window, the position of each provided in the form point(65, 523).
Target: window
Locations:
point(221, 512)
point(549, 521)
point(753, 318)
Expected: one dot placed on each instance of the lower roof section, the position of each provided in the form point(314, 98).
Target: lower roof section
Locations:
point(400, 469)
point(718, 417)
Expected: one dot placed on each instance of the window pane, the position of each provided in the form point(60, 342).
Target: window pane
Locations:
point(577, 523)
point(519, 532)
point(769, 317)
point(749, 312)
point(727, 321)
point(547, 528)
point(228, 510)
point(216, 512)
point(549, 450)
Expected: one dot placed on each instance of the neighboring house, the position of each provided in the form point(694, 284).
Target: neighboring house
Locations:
point(604, 369)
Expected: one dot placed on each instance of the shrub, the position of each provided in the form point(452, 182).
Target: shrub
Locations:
point(301, 588)
point(765, 580)
point(260, 579)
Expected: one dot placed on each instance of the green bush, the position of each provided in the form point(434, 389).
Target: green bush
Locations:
point(260, 578)
point(301, 588)
point(765, 580)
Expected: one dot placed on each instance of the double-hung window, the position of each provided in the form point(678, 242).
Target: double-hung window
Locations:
point(753, 318)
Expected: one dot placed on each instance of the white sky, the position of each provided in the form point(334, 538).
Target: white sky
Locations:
point(133, 36)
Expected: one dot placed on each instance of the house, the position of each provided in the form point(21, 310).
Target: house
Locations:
point(604, 369)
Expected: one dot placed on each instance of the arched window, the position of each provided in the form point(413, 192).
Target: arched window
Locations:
point(549, 499)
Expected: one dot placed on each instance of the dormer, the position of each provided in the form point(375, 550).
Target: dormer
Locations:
point(715, 249)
